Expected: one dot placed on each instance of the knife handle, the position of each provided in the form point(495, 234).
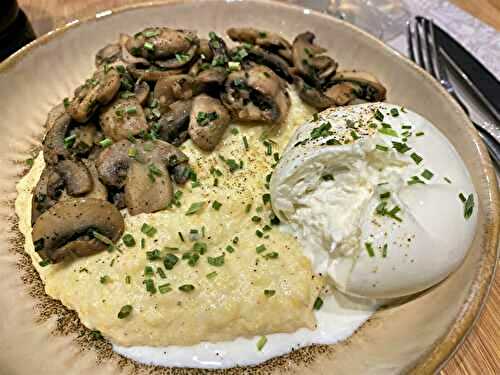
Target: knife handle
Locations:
point(491, 143)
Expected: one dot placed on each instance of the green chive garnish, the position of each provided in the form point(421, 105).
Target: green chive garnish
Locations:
point(165, 288)
point(269, 292)
point(416, 158)
point(194, 208)
point(211, 275)
point(170, 261)
point(260, 249)
point(382, 148)
point(369, 249)
point(128, 240)
point(186, 288)
point(261, 343)
point(125, 311)
point(216, 205)
point(318, 303)
point(216, 261)
point(427, 174)
point(106, 142)
point(148, 230)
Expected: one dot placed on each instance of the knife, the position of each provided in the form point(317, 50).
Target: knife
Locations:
point(481, 81)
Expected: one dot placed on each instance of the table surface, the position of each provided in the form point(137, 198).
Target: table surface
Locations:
point(480, 354)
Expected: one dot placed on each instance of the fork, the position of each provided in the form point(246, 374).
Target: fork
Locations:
point(422, 49)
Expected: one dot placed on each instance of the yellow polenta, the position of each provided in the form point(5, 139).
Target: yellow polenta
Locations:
point(230, 302)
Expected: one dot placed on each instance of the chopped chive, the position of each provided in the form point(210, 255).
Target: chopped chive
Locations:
point(148, 230)
point(328, 177)
point(388, 131)
point(318, 303)
point(148, 271)
point(369, 249)
point(248, 208)
point(382, 148)
point(128, 240)
point(271, 255)
point(153, 254)
point(151, 33)
point(259, 234)
point(44, 263)
point(105, 279)
point(378, 115)
point(216, 261)
point(400, 147)
point(266, 198)
point(165, 288)
point(211, 275)
point(124, 311)
point(132, 152)
point(216, 205)
point(200, 247)
point(186, 288)
point(416, 157)
point(256, 219)
point(235, 240)
point(143, 243)
point(354, 135)
point(235, 131)
point(419, 134)
point(161, 273)
point(427, 174)
point(245, 142)
point(102, 238)
point(150, 286)
point(106, 142)
point(266, 228)
point(194, 208)
point(261, 343)
point(66, 102)
point(229, 249)
point(149, 46)
point(128, 279)
point(69, 141)
point(447, 180)
point(260, 249)
point(415, 180)
point(385, 195)
point(181, 236)
point(269, 292)
point(384, 251)
point(394, 112)
point(132, 110)
point(468, 206)
point(170, 261)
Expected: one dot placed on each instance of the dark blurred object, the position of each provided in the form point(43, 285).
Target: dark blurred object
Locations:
point(15, 29)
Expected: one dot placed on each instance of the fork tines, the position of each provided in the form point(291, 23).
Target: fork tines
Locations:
point(422, 45)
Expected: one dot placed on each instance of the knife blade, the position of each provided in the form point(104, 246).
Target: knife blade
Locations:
point(481, 81)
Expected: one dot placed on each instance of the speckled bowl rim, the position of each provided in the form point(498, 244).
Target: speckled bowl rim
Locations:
point(470, 312)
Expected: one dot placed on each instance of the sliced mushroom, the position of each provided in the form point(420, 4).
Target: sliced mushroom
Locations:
point(181, 173)
point(313, 96)
point(212, 78)
point(208, 122)
point(57, 125)
point(370, 88)
point(204, 51)
point(169, 48)
point(113, 162)
point(173, 88)
point(141, 168)
point(314, 67)
point(98, 190)
point(268, 40)
point(151, 73)
point(98, 90)
point(273, 61)
point(343, 93)
point(67, 228)
point(46, 192)
point(108, 54)
point(85, 137)
point(148, 187)
point(145, 192)
point(174, 124)
point(141, 91)
point(256, 95)
point(76, 176)
point(219, 50)
point(123, 118)
point(126, 56)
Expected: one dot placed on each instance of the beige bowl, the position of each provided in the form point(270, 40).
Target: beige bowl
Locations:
point(416, 336)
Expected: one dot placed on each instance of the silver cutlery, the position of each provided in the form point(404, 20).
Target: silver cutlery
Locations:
point(423, 50)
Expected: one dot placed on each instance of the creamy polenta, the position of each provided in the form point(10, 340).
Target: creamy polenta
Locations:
point(247, 278)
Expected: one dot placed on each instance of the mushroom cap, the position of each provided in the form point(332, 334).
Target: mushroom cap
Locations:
point(72, 220)
point(98, 90)
point(123, 118)
point(371, 89)
point(309, 62)
point(266, 39)
point(173, 88)
point(312, 96)
point(113, 162)
point(150, 73)
point(57, 125)
point(256, 94)
point(165, 43)
point(76, 176)
point(108, 54)
point(208, 122)
point(174, 123)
